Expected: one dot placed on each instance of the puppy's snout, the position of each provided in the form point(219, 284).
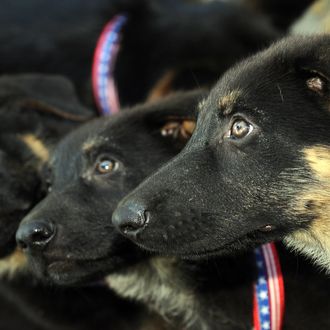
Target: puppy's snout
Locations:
point(34, 234)
point(130, 219)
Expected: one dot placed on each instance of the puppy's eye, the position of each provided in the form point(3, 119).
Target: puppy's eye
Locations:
point(240, 129)
point(105, 166)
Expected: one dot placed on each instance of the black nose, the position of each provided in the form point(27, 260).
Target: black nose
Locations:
point(130, 219)
point(34, 234)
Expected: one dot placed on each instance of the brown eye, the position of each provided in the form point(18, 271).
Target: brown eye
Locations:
point(106, 166)
point(240, 129)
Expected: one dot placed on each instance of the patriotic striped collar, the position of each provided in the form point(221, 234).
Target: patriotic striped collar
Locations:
point(105, 55)
point(268, 301)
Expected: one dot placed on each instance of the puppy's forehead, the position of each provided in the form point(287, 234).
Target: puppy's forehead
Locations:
point(75, 142)
point(226, 103)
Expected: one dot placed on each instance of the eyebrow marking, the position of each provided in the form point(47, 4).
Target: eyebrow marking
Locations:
point(226, 103)
point(92, 143)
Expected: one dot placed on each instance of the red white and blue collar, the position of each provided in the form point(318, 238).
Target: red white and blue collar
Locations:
point(268, 302)
point(107, 47)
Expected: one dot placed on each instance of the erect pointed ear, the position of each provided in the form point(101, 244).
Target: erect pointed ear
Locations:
point(175, 116)
point(50, 94)
point(313, 63)
point(179, 128)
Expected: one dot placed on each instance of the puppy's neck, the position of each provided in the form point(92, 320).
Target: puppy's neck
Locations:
point(314, 201)
point(192, 295)
point(159, 284)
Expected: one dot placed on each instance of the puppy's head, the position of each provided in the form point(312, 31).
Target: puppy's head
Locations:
point(35, 110)
point(69, 236)
point(257, 167)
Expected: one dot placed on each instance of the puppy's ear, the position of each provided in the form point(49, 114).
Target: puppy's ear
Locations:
point(312, 63)
point(316, 81)
point(178, 128)
point(47, 93)
point(175, 116)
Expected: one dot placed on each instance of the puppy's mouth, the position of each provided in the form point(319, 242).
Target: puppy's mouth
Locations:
point(60, 266)
point(247, 241)
point(71, 272)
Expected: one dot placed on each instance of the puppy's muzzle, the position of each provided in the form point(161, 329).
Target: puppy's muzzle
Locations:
point(34, 234)
point(130, 219)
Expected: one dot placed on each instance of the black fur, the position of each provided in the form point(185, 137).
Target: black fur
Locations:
point(32, 306)
point(195, 295)
point(46, 108)
point(222, 194)
point(80, 198)
point(174, 35)
point(159, 36)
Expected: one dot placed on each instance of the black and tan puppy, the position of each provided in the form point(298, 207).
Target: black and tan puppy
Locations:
point(69, 238)
point(91, 170)
point(35, 112)
point(256, 169)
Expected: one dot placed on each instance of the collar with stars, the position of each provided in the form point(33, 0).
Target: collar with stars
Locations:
point(268, 301)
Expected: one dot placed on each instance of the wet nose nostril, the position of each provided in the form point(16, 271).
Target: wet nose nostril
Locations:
point(40, 235)
point(130, 220)
point(21, 244)
point(134, 223)
point(34, 234)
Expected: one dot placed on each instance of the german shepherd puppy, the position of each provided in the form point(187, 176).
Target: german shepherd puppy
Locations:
point(35, 112)
point(256, 169)
point(90, 171)
point(75, 242)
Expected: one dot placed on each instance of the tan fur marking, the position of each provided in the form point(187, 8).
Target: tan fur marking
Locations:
point(158, 284)
point(227, 102)
point(92, 143)
point(318, 159)
point(189, 126)
point(36, 146)
point(12, 264)
point(315, 200)
point(162, 87)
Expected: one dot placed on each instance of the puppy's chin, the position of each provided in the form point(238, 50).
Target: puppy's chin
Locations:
point(69, 272)
point(200, 250)
point(65, 272)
